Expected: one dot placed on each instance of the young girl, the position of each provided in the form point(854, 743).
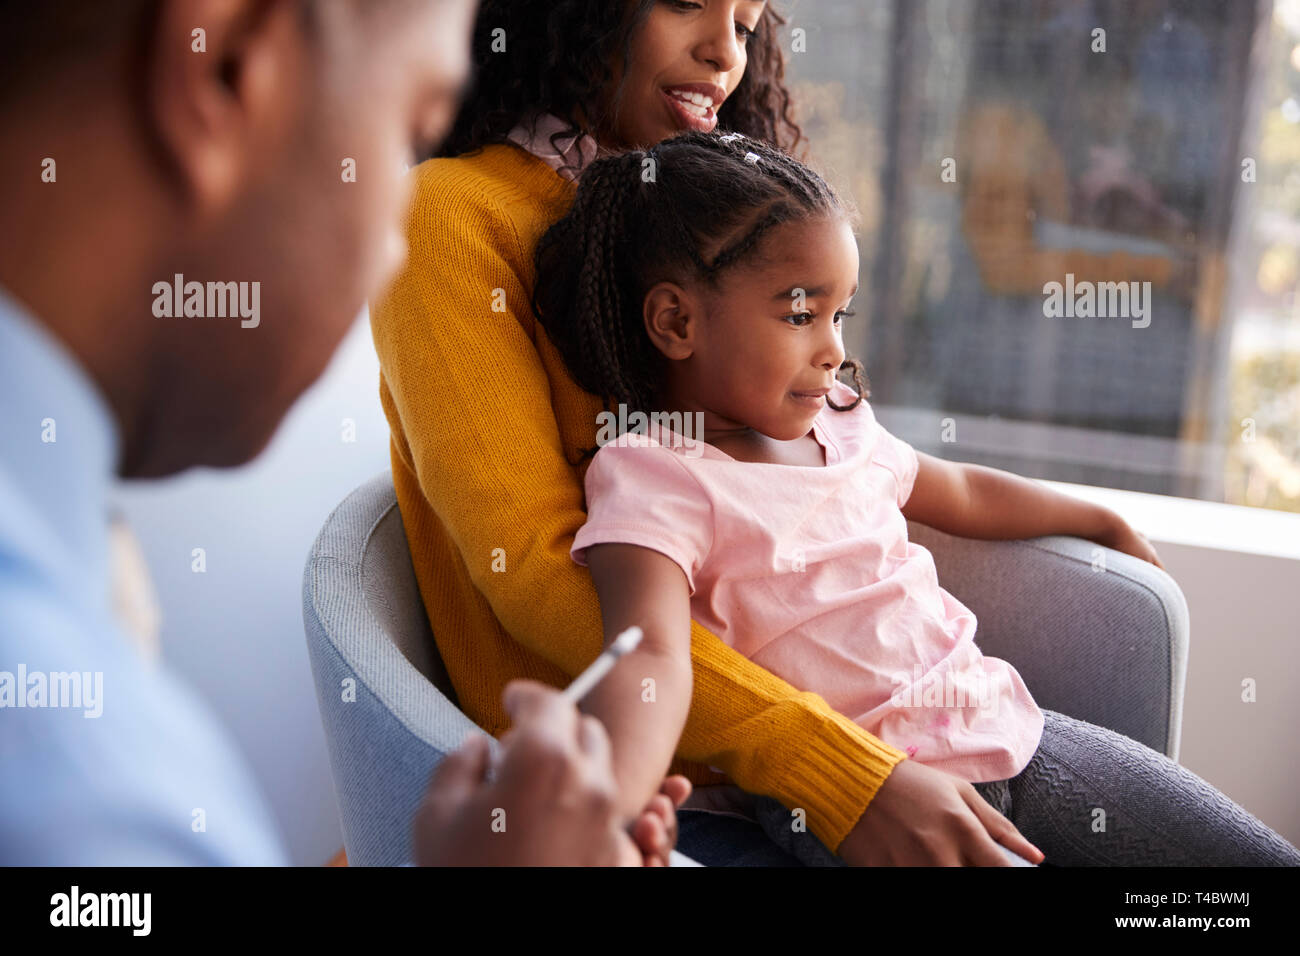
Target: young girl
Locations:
point(704, 283)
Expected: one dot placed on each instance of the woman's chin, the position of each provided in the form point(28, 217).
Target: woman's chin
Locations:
point(661, 131)
point(657, 135)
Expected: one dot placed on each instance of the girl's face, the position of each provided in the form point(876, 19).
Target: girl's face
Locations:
point(740, 352)
point(686, 59)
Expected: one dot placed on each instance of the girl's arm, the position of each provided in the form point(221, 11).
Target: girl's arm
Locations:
point(974, 501)
point(644, 700)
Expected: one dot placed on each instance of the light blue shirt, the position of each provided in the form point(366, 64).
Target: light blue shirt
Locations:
point(152, 779)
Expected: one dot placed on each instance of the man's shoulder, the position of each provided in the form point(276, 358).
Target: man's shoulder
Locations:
point(109, 760)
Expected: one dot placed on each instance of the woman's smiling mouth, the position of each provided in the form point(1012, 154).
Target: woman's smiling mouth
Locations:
point(695, 105)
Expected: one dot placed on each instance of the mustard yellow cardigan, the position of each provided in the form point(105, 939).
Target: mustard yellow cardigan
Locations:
point(485, 420)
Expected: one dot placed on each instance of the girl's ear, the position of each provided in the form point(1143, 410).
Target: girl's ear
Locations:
point(671, 315)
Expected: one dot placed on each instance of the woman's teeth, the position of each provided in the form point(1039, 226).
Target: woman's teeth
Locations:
point(695, 103)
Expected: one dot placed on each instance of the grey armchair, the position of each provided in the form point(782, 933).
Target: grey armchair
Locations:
point(390, 712)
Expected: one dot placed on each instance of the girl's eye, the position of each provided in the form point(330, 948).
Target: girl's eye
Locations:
point(840, 316)
point(744, 32)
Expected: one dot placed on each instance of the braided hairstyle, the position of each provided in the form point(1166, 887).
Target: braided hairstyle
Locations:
point(711, 201)
point(559, 61)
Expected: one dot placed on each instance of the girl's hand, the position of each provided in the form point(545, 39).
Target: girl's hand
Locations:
point(1122, 537)
point(655, 830)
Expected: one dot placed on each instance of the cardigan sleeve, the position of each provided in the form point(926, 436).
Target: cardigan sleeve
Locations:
point(469, 401)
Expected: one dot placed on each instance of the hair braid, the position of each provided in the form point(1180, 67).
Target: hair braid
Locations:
point(599, 293)
point(610, 304)
point(747, 242)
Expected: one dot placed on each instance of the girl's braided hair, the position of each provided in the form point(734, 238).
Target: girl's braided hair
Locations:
point(558, 58)
point(686, 210)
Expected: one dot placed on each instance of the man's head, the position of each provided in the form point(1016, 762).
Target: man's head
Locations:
point(225, 141)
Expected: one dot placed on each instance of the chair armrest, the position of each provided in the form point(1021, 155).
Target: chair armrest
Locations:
point(386, 725)
point(1095, 633)
point(383, 748)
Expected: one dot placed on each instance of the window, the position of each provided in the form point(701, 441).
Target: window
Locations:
point(1081, 231)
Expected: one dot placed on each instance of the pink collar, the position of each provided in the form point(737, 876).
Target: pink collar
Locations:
point(574, 150)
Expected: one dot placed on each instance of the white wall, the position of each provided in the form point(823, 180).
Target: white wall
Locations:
point(1244, 625)
point(235, 633)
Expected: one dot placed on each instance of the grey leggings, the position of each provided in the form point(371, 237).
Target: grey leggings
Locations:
point(1092, 797)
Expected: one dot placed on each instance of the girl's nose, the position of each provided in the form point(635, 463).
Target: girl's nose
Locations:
point(832, 353)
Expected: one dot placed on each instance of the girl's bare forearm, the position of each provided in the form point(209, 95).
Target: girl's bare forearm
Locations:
point(1003, 505)
point(643, 703)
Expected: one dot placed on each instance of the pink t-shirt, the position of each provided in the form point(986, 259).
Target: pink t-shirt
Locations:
point(808, 572)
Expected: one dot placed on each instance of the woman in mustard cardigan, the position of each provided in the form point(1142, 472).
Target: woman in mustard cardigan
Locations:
point(488, 426)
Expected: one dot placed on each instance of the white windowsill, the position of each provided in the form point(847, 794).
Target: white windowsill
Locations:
point(1200, 524)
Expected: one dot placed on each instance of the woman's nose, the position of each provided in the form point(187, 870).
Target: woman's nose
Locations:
point(720, 47)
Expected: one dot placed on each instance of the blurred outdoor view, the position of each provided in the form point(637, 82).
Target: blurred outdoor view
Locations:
point(994, 146)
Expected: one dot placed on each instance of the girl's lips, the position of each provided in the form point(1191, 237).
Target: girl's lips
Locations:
point(812, 401)
point(688, 120)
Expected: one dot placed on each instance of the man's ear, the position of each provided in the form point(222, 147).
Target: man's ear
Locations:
point(224, 86)
point(671, 314)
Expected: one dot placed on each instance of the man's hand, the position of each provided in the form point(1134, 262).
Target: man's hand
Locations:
point(553, 802)
point(921, 816)
point(655, 830)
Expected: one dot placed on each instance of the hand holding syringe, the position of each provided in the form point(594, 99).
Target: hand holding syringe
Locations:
point(626, 642)
point(584, 683)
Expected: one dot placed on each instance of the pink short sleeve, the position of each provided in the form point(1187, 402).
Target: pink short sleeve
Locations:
point(644, 495)
point(899, 457)
point(907, 472)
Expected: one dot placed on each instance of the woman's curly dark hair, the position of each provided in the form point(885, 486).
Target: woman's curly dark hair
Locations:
point(558, 59)
point(705, 209)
